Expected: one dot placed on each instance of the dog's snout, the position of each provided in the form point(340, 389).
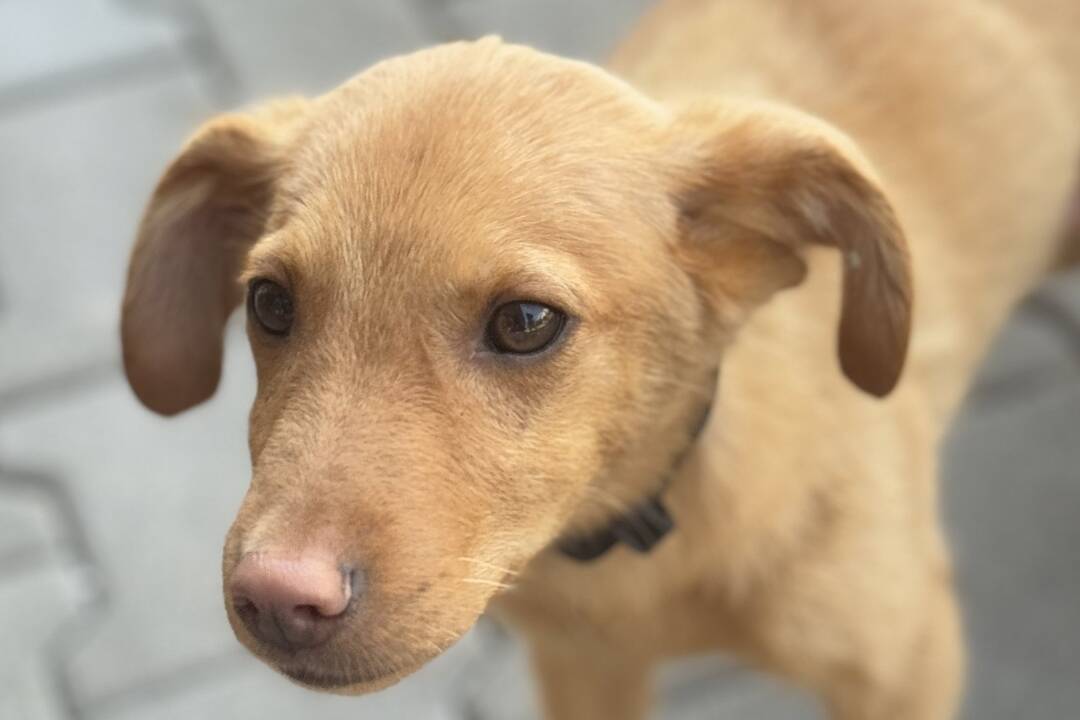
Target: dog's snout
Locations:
point(292, 603)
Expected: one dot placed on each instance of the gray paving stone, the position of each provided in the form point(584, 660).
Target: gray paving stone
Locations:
point(497, 684)
point(156, 496)
point(26, 530)
point(1040, 346)
point(43, 38)
point(587, 30)
point(1012, 495)
point(284, 46)
point(34, 606)
point(76, 175)
point(26, 693)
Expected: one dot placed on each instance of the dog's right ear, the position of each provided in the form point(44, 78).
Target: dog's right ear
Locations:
point(207, 211)
point(762, 185)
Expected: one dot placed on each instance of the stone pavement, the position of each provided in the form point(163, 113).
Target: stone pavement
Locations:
point(111, 519)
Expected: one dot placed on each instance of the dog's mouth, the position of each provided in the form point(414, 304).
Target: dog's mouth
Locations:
point(342, 674)
point(340, 681)
point(327, 681)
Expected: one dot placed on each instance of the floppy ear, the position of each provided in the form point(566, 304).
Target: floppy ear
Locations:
point(206, 212)
point(765, 183)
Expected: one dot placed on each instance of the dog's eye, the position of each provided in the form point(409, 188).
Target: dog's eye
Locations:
point(522, 327)
point(271, 306)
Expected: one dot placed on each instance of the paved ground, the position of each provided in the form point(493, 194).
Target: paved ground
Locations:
point(111, 519)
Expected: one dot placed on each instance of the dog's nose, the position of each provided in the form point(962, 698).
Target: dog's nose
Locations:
point(292, 602)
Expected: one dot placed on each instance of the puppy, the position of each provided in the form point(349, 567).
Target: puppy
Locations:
point(522, 344)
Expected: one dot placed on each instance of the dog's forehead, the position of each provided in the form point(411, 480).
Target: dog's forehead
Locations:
point(469, 121)
point(471, 155)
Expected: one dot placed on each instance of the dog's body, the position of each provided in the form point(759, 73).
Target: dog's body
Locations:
point(807, 538)
point(808, 534)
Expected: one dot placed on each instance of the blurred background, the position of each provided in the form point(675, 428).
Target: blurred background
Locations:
point(111, 519)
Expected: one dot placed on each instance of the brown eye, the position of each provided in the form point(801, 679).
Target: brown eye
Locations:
point(522, 327)
point(271, 306)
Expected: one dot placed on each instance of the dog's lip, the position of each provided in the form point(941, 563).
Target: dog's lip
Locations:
point(329, 681)
point(303, 673)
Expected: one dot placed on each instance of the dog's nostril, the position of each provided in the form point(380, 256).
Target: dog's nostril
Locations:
point(309, 612)
point(292, 603)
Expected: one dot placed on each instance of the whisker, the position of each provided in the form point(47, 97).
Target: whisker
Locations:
point(492, 583)
point(485, 563)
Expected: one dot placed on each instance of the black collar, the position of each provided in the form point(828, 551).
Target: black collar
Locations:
point(643, 525)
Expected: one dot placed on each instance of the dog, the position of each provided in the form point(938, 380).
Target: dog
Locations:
point(647, 361)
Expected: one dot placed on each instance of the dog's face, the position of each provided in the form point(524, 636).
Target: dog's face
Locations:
point(486, 291)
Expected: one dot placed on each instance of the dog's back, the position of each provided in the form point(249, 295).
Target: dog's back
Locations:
point(1055, 25)
point(963, 108)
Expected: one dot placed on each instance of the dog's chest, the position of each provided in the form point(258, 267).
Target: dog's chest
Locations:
point(623, 601)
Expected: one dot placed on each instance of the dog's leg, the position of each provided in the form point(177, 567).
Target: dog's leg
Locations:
point(877, 635)
point(587, 682)
point(926, 687)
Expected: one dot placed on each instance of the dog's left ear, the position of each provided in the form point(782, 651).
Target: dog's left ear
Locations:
point(207, 211)
point(757, 187)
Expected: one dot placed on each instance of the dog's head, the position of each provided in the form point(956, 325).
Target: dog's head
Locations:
point(486, 289)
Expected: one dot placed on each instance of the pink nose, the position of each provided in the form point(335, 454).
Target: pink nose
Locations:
point(292, 602)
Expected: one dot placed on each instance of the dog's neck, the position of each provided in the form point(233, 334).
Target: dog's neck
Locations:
point(644, 525)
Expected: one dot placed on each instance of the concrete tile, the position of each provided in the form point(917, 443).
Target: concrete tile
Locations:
point(76, 175)
point(588, 30)
point(1040, 346)
point(1012, 496)
point(291, 47)
point(26, 530)
point(34, 605)
point(1027, 348)
point(27, 693)
point(1065, 287)
point(156, 496)
point(498, 684)
point(42, 38)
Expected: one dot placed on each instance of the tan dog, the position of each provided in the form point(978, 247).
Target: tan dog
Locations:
point(488, 294)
